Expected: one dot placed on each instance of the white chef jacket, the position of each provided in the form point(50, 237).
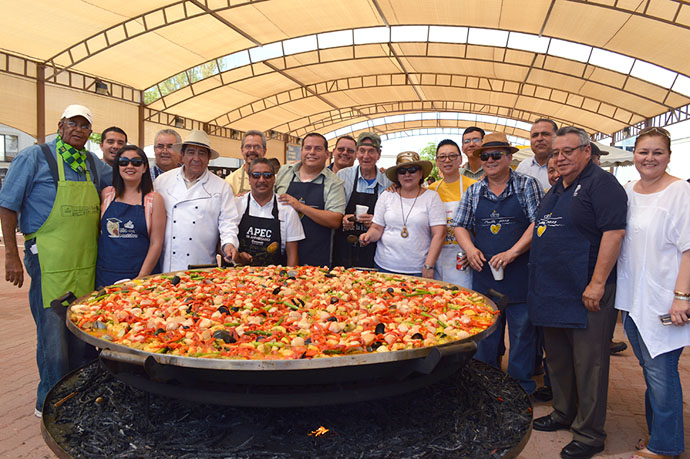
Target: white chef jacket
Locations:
point(197, 218)
point(657, 233)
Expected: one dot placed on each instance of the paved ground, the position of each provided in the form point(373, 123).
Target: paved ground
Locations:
point(20, 435)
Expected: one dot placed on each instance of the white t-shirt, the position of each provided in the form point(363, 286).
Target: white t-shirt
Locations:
point(657, 233)
point(406, 255)
point(290, 225)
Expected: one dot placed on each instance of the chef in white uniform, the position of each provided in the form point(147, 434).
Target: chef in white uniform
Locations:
point(200, 208)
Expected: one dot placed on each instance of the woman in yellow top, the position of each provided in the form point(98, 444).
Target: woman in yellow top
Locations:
point(451, 188)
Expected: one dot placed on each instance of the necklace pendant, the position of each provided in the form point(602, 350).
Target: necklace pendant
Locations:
point(404, 232)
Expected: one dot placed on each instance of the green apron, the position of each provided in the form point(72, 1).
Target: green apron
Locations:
point(67, 242)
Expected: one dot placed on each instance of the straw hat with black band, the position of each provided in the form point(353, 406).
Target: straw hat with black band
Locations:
point(407, 159)
point(200, 139)
point(494, 141)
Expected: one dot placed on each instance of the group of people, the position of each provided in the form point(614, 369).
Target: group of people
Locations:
point(547, 235)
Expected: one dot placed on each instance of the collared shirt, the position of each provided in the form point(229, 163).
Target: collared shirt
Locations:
point(527, 189)
point(190, 183)
point(238, 181)
point(334, 193)
point(599, 204)
point(465, 170)
point(347, 175)
point(290, 225)
point(531, 167)
point(29, 187)
point(155, 171)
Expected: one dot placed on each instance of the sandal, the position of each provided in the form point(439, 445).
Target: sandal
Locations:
point(644, 453)
point(641, 444)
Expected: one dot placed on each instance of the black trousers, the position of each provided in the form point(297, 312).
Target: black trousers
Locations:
point(578, 363)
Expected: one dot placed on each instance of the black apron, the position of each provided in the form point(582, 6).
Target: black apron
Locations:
point(558, 268)
point(349, 254)
point(498, 226)
point(260, 237)
point(315, 248)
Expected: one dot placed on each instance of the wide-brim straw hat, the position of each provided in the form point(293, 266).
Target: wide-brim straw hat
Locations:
point(495, 140)
point(198, 138)
point(406, 159)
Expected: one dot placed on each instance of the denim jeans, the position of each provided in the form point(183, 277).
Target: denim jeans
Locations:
point(58, 351)
point(664, 395)
point(522, 336)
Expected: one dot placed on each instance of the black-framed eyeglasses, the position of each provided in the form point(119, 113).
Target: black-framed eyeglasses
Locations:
point(124, 162)
point(467, 141)
point(567, 151)
point(495, 155)
point(408, 170)
point(257, 175)
point(451, 157)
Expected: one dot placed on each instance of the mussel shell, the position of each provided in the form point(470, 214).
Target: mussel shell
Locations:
point(380, 329)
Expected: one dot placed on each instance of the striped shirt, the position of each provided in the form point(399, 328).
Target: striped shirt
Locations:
point(527, 189)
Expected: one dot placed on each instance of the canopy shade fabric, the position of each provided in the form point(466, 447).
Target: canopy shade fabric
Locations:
point(294, 66)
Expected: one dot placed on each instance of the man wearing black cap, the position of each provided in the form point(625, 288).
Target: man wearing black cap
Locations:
point(363, 185)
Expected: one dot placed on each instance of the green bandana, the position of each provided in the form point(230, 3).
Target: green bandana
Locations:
point(75, 158)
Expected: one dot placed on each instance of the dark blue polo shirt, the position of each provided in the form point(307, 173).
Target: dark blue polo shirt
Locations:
point(599, 204)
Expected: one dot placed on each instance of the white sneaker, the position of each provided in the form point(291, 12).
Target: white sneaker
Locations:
point(38, 413)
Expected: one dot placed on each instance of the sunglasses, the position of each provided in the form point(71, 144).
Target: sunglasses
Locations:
point(496, 155)
point(257, 175)
point(411, 170)
point(124, 162)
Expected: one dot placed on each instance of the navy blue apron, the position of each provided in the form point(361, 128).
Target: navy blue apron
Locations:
point(260, 237)
point(559, 259)
point(346, 253)
point(498, 226)
point(315, 248)
point(123, 243)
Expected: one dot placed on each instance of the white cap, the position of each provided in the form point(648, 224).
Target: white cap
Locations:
point(78, 110)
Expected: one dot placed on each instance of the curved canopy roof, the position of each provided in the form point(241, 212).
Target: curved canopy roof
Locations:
point(295, 66)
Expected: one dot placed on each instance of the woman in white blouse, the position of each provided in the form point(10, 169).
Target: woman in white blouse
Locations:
point(410, 223)
point(654, 280)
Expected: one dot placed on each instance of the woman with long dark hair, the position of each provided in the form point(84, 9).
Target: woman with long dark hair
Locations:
point(132, 221)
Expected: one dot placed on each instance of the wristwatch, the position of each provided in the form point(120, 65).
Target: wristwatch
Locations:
point(427, 266)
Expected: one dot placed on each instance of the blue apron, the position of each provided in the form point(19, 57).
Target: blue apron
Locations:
point(123, 243)
point(498, 226)
point(559, 259)
point(315, 248)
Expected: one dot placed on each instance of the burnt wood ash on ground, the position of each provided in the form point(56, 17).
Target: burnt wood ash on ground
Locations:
point(477, 413)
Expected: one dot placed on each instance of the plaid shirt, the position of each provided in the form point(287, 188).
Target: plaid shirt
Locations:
point(527, 189)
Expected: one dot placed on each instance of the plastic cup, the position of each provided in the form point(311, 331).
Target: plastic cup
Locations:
point(498, 273)
point(360, 210)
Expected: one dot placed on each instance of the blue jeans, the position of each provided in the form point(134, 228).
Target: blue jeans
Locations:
point(663, 397)
point(523, 342)
point(58, 351)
